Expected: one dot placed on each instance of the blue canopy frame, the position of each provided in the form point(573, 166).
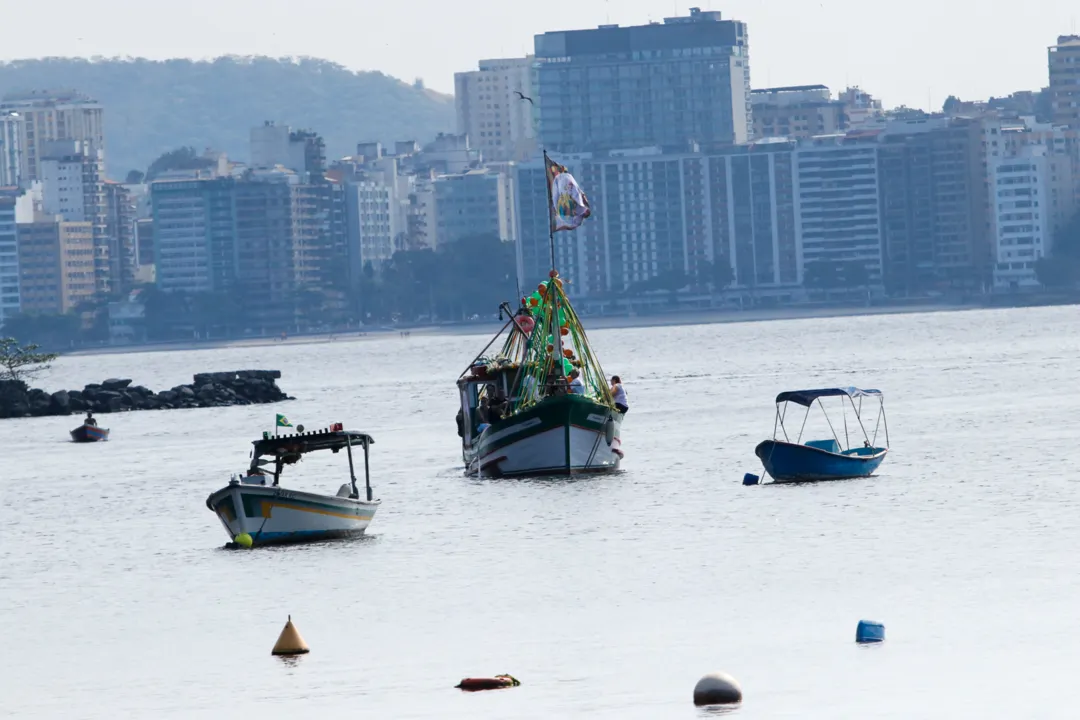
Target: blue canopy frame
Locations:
point(807, 398)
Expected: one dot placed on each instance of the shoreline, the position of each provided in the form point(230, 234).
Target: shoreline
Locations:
point(605, 322)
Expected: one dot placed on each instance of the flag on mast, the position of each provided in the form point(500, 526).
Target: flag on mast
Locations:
point(569, 206)
point(282, 421)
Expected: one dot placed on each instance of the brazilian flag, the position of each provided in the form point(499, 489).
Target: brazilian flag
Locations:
point(283, 421)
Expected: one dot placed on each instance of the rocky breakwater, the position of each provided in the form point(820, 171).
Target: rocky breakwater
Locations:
point(219, 389)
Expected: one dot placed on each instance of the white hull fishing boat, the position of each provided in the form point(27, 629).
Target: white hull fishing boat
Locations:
point(542, 404)
point(255, 506)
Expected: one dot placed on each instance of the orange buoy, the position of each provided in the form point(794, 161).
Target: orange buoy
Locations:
point(542, 289)
point(568, 353)
point(564, 331)
point(289, 641)
point(490, 683)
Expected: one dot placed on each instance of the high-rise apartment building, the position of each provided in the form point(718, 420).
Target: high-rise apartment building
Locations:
point(194, 234)
point(144, 241)
point(838, 210)
point(796, 112)
point(686, 80)
point(72, 174)
point(52, 116)
point(1065, 81)
point(255, 239)
point(10, 149)
point(56, 265)
point(933, 205)
point(496, 119)
point(472, 203)
point(674, 217)
point(1023, 228)
point(9, 256)
point(120, 216)
point(267, 253)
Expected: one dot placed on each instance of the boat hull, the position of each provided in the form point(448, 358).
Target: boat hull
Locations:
point(788, 462)
point(565, 435)
point(89, 433)
point(273, 515)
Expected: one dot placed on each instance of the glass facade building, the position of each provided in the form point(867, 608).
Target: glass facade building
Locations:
point(685, 80)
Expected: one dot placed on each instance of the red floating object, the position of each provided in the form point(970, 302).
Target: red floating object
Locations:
point(492, 683)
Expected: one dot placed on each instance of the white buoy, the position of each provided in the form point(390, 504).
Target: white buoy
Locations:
point(717, 689)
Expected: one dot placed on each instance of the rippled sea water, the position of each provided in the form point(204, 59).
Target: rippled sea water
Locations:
point(607, 597)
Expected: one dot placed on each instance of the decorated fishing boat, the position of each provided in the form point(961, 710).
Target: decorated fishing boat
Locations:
point(541, 404)
point(255, 510)
point(832, 458)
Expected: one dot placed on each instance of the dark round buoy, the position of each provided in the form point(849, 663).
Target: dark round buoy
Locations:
point(750, 479)
point(717, 689)
point(869, 631)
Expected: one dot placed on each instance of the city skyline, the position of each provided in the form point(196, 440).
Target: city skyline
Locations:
point(921, 61)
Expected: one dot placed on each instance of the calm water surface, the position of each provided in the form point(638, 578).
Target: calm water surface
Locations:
point(607, 597)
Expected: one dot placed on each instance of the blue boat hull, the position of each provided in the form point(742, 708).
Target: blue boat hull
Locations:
point(788, 462)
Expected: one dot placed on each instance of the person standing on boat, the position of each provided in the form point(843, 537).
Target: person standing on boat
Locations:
point(577, 385)
point(619, 395)
point(90, 419)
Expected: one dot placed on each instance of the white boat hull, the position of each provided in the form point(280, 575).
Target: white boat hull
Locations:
point(564, 436)
point(535, 454)
point(273, 515)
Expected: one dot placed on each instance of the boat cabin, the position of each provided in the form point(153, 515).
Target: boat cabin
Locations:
point(277, 451)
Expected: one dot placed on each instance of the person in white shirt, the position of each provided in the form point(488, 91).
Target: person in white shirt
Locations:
point(577, 385)
point(619, 394)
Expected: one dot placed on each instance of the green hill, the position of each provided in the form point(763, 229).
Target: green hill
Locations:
point(155, 106)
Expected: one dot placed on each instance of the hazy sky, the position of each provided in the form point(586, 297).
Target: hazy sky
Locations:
point(913, 52)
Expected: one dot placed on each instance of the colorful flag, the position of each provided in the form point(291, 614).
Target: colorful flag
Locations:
point(569, 206)
point(282, 421)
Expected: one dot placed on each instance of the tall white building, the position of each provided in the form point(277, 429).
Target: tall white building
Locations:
point(497, 121)
point(51, 116)
point(10, 149)
point(374, 221)
point(9, 257)
point(72, 175)
point(273, 145)
point(837, 204)
point(1022, 216)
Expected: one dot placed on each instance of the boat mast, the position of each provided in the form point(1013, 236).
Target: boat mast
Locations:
point(552, 293)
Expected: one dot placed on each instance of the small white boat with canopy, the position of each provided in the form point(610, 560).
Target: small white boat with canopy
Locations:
point(254, 503)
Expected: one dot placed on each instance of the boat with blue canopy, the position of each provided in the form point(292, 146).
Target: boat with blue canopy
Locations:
point(833, 458)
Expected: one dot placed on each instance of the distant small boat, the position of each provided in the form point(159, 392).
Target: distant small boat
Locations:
point(829, 459)
point(89, 434)
point(254, 504)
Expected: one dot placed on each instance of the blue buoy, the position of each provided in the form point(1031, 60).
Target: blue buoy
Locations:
point(750, 479)
point(869, 632)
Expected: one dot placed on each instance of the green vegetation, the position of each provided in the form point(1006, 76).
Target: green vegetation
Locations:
point(20, 363)
point(153, 107)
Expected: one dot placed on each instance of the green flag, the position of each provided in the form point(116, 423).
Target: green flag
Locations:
point(283, 421)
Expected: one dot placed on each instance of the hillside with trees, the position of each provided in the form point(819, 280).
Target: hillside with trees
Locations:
point(153, 107)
